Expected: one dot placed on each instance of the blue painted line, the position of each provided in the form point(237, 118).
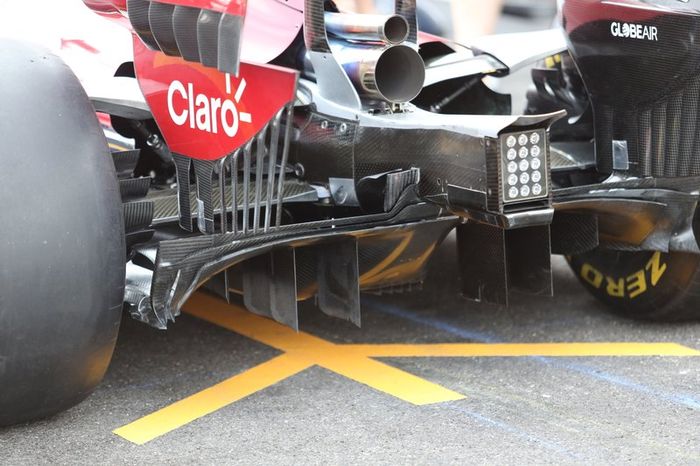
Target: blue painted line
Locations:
point(430, 322)
point(516, 431)
point(676, 398)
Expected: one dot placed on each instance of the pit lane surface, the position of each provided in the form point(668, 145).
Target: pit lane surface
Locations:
point(509, 409)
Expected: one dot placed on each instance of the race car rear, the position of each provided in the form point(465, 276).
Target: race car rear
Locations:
point(320, 178)
point(284, 151)
point(629, 81)
point(307, 164)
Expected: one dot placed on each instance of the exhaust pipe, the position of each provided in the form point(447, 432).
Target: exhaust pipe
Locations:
point(394, 73)
point(390, 29)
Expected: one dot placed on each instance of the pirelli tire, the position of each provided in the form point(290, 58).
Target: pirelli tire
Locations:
point(652, 286)
point(61, 238)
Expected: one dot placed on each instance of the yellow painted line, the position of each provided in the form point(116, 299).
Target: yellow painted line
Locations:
point(211, 399)
point(354, 361)
point(390, 380)
point(239, 320)
point(523, 349)
point(317, 351)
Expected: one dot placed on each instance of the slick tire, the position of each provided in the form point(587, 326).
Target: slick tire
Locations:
point(653, 286)
point(62, 247)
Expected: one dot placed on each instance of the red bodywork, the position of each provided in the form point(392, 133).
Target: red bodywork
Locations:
point(206, 114)
point(579, 12)
point(270, 25)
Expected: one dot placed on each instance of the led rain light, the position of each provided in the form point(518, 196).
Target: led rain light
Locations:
point(524, 166)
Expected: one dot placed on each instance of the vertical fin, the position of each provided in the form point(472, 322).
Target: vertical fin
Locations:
point(482, 261)
point(222, 193)
point(185, 27)
point(333, 82)
point(160, 19)
point(182, 170)
point(234, 190)
point(204, 172)
point(272, 167)
point(339, 280)
point(230, 31)
point(138, 15)
point(208, 37)
point(407, 9)
point(259, 172)
point(247, 154)
point(269, 286)
point(283, 162)
point(529, 253)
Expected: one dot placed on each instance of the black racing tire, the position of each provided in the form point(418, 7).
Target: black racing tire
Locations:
point(652, 286)
point(62, 245)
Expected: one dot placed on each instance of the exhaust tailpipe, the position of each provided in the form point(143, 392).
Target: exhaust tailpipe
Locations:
point(390, 29)
point(394, 74)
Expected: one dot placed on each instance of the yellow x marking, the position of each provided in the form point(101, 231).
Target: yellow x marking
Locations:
point(301, 351)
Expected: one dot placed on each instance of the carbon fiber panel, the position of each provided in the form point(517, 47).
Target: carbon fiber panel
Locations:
point(494, 197)
point(160, 18)
point(339, 280)
point(574, 233)
point(166, 202)
point(230, 30)
point(134, 188)
point(482, 261)
point(315, 27)
point(138, 15)
point(182, 172)
point(529, 256)
point(137, 216)
point(185, 27)
point(571, 156)
point(640, 63)
point(407, 9)
point(325, 148)
point(443, 157)
point(269, 286)
point(204, 171)
point(125, 162)
point(182, 264)
point(208, 37)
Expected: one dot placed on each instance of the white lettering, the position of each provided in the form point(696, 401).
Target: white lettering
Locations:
point(178, 118)
point(215, 107)
point(203, 113)
point(229, 129)
point(190, 101)
point(634, 31)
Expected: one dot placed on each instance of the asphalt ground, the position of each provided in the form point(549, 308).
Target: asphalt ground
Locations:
point(520, 408)
point(512, 409)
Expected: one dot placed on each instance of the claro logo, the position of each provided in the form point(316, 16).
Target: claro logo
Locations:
point(635, 31)
point(198, 111)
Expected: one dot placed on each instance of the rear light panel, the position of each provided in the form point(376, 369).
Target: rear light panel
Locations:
point(524, 166)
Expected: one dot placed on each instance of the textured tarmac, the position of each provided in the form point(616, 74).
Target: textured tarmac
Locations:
point(517, 410)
